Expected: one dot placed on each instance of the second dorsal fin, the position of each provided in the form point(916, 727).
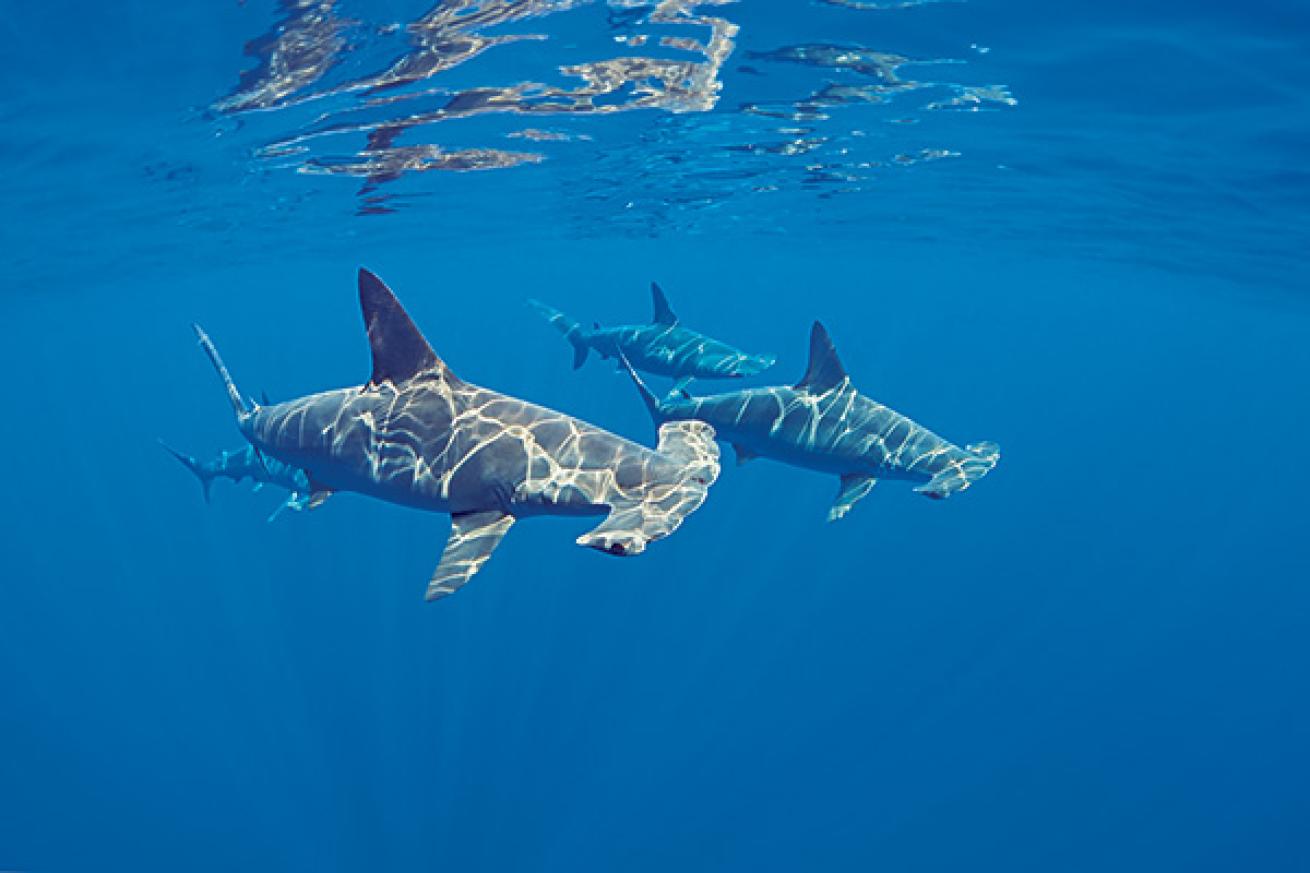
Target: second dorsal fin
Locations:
point(825, 370)
point(663, 312)
point(399, 350)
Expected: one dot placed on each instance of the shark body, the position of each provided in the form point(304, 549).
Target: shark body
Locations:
point(823, 423)
point(417, 435)
point(245, 463)
point(663, 347)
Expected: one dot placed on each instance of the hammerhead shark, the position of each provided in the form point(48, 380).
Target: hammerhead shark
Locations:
point(664, 347)
point(822, 423)
point(245, 463)
point(418, 435)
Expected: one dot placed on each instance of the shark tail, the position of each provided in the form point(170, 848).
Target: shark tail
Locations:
point(647, 396)
point(979, 460)
point(572, 330)
point(239, 407)
point(206, 477)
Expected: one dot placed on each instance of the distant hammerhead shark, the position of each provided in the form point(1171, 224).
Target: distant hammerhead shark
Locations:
point(663, 347)
point(823, 423)
point(245, 463)
point(418, 435)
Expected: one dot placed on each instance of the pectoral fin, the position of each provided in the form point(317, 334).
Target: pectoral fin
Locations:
point(297, 501)
point(854, 486)
point(473, 537)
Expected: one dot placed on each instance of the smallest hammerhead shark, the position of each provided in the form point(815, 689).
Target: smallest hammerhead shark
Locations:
point(246, 464)
point(663, 347)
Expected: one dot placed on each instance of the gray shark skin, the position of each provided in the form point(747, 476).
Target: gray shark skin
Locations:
point(822, 423)
point(664, 347)
point(245, 463)
point(418, 435)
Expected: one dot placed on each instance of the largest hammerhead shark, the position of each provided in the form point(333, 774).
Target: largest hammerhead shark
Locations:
point(418, 435)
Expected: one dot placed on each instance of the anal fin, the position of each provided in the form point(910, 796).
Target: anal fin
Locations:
point(318, 492)
point(473, 537)
point(744, 454)
point(295, 500)
point(854, 487)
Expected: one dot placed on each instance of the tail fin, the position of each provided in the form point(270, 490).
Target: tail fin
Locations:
point(978, 461)
point(573, 332)
point(652, 402)
point(239, 407)
point(206, 477)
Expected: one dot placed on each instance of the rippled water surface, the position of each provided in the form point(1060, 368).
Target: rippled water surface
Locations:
point(1078, 230)
point(1138, 133)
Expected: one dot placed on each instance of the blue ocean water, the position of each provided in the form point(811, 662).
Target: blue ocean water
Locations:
point(1078, 230)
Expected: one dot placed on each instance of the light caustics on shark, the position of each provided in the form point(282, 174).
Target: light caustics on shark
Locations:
point(664, 347)
point(660, 65)
point(418, 435)
point(823, 423)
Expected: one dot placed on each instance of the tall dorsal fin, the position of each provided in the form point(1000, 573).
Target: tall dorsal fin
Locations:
point(825, 370)
point(663, 312)
point(399, 351)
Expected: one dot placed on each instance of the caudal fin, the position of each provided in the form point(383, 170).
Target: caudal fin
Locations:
point(239, 407)
point(647, 396)
point(978, 461)
point(573, 332)
point(206, 477)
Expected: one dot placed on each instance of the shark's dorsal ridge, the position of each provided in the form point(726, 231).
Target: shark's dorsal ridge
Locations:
point(400, 351)
point(663, 312)
point(825, 371)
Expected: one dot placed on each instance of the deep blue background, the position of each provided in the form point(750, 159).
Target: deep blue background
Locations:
point(1095, 660)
